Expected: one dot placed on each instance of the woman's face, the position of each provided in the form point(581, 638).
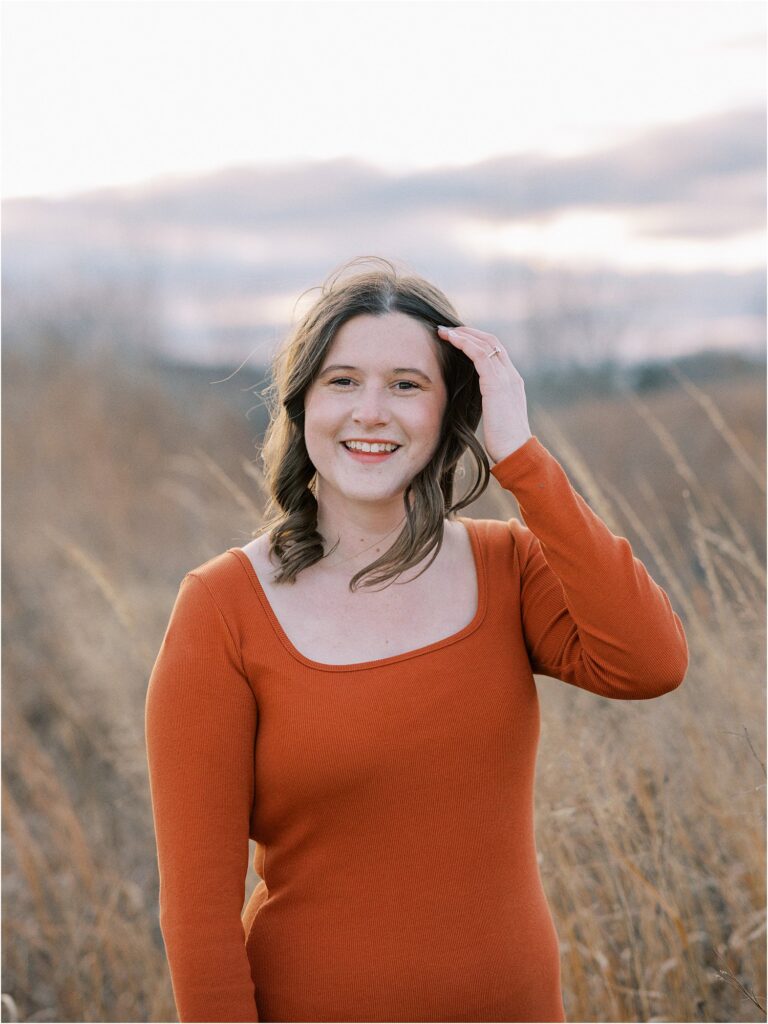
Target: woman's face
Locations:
point(380, 380)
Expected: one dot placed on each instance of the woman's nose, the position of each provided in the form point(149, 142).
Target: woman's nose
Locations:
point(371, 406)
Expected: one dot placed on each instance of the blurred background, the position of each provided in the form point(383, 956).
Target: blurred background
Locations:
point(584, 180)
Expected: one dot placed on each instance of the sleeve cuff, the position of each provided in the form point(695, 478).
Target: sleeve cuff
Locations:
point(509, 469)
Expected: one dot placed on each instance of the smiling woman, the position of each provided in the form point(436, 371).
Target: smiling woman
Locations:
point(374, 398)
point(379, 745)
point(379, 330)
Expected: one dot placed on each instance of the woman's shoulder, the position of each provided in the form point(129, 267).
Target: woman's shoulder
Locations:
point(498, 530)
point(257, 553)
point(503, 536)
point(222, 574)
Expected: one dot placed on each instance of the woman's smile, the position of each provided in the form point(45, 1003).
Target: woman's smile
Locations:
point(370, 457)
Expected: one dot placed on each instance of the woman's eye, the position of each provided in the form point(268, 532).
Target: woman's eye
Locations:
point(410, 383)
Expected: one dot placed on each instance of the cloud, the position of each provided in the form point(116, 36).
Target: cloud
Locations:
point(208, 246)
point(700, 178)
point(691, 165)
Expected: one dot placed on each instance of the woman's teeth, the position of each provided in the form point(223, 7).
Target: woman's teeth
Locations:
point(363, 446)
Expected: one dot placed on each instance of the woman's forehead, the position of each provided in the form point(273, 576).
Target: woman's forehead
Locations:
point(391, 338)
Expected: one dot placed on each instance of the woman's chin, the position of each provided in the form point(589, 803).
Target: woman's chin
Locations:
point(367, 490)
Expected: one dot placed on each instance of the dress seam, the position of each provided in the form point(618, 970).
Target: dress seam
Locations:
point(236, 646)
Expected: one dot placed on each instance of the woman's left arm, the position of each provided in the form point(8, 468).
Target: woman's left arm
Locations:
point(592, 615)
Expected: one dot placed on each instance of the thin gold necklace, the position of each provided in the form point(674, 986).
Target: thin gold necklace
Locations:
point(348, 558)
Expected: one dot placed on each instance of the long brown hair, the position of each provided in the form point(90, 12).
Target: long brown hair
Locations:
point(291, 513)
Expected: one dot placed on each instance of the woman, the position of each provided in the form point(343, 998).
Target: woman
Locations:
point(379, 743)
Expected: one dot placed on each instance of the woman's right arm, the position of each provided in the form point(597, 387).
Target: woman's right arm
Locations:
point(200, 729)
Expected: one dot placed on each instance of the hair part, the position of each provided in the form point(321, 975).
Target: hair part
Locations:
point(290, 476)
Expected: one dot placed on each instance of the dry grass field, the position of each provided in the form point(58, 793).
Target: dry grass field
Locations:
point(650, 814)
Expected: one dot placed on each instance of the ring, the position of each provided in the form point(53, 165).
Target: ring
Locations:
point(495, 352)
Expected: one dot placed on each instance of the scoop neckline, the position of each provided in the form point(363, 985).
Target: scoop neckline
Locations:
point(392, 659)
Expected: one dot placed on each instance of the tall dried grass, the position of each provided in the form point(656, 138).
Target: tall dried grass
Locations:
point(650, 815)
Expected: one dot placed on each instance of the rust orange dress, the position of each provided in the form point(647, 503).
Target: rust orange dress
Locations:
point(391, 801)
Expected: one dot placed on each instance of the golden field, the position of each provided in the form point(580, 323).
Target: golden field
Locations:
point(650, 815)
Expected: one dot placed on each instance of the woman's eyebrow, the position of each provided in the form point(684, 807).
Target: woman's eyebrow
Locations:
point(397, 369)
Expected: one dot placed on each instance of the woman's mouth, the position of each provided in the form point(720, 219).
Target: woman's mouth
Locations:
point(370, 456)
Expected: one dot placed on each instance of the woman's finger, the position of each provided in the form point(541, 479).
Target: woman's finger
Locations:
point(479, 351)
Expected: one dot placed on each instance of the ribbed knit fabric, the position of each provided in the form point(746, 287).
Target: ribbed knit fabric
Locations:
point(391, 800)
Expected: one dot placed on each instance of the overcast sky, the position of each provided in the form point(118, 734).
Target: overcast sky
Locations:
point(105, 93)
point(232, 154)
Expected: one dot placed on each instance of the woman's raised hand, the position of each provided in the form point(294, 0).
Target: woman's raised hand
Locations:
point(505, 411)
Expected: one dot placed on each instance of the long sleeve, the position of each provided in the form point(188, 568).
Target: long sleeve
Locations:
point(592, 615)
point(200, 728)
